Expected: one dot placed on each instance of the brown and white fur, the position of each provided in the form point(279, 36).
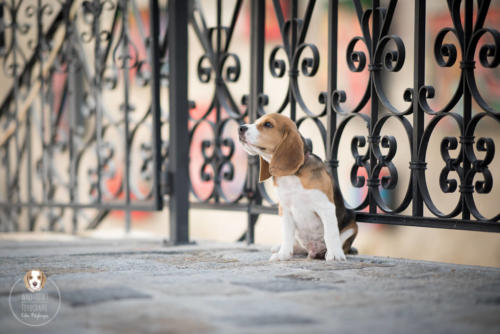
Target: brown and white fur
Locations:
point(314, 216)
point(34, 280)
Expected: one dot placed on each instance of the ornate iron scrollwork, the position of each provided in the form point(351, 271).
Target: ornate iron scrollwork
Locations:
point(219, 67)
point(377, 40)
point(73, 55)
point(73, 118)
point(466, 165)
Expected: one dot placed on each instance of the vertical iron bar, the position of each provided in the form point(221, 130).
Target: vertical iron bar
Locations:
point(31, 222)
point(97, 97)
point(178, 126)
point(71, 120)
point(219, 28)
point(418, 114)
point(7, 115)
point(293, 41)
point(218, 81)
point(50, 149)
point(42, 102)
point(16, 136)
point(468, 22)
point(372, 182)
point(257, 38)
point(126, 109)
point(73, 109)
point(155, 101)
point(8, 211)
point(2, 33)
point(75, 102)
point(332, 79)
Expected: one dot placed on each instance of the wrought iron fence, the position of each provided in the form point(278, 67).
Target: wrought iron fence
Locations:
point(82, 90)
point(70, 129)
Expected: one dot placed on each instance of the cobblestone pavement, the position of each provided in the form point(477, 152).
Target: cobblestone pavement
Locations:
point(140, 286)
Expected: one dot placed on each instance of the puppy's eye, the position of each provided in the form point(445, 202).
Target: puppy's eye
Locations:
point(268, 125)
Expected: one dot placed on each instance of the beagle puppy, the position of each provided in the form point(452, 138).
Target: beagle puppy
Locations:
point(314, 217)
point(34, 280)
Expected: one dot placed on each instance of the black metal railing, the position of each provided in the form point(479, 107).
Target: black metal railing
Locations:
point(199, 164)
point(70, 131)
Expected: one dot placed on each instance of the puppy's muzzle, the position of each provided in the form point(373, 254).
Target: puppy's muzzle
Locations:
point(35, 283)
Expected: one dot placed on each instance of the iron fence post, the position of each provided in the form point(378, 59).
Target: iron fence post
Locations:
point(373, 182)
point(178, 123)
point(332, 81)
point(416, 165)
point(293, 75)
point(257, 29)
point(74, 113)
point(467, 100)
point(155, 100)
point(2, 33)
point(126, 110)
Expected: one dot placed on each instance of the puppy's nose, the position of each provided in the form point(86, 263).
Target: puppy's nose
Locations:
point(35, 283)
point(242, 129)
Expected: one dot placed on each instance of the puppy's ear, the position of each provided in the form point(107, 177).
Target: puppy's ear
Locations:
point(26, 283)
point(44, 278)
point(289, 155)
point(264, 170)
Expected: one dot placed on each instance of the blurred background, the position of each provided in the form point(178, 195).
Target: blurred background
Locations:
point(464, 247)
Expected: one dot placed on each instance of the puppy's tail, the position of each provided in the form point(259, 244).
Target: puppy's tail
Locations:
point(348, 231)
point(346, 234)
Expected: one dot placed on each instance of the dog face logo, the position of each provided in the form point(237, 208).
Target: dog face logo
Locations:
point(34, 280)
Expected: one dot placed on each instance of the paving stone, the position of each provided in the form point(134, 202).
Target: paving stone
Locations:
point(85, 297)
point(284, 285)
point(141, 286)
point(269, 320)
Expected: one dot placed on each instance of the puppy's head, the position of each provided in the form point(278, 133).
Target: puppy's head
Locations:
point(35, 280)
point(277, 141)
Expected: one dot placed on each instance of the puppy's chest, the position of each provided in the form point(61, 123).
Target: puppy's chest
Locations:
point(292, 195)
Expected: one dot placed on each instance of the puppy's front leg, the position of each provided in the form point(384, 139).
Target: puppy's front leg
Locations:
point(287, 238)
point(331, 230)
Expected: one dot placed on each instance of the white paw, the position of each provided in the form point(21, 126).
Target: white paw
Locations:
point(280, 256)
point(337, 255)
point(275, 249)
